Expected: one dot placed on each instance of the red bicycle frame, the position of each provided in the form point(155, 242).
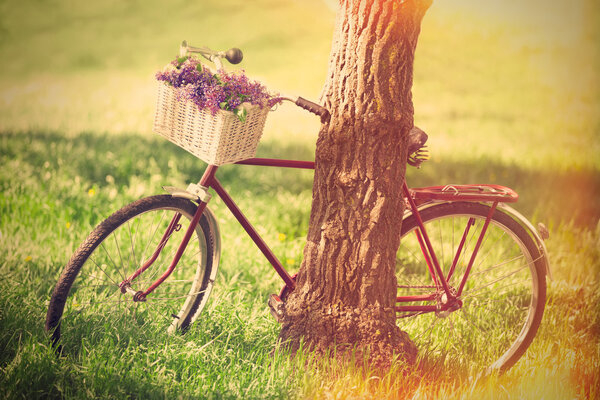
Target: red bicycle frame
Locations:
point(209, 180)
point(450, 193)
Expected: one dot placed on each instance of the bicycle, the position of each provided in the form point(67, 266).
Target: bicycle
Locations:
point(471, 270)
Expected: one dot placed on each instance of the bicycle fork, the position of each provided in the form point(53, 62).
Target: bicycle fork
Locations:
point(174, 226)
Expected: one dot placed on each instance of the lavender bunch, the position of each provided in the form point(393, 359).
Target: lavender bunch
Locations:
point(215, 91)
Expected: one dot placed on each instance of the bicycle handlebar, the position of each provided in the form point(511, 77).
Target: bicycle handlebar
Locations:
point(235, 56)
point(313, 108)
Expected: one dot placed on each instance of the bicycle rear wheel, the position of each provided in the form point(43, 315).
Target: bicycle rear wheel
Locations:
point(87, 301)
point(503, 298)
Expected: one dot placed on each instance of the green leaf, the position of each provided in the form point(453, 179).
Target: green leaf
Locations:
point(181, 60)
point(241, 113)
point(224, 105)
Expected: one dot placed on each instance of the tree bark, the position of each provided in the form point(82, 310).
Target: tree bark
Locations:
point(346, 286)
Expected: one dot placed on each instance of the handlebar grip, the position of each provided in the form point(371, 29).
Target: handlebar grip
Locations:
point(234, 55)
point(313, 108)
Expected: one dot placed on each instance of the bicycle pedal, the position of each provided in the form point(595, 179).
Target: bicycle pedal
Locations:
point(276, 307)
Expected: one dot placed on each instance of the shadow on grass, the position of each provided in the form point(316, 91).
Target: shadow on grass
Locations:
point(26, 158)
point(545, 194)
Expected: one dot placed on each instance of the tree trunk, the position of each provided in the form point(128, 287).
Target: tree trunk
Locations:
point(346, 286)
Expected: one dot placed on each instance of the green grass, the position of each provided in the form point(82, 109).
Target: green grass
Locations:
point(506, 98)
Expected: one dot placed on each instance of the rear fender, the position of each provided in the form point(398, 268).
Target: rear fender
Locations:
point(532, 231)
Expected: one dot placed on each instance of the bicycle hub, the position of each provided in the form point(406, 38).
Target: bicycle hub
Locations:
point(137, 296)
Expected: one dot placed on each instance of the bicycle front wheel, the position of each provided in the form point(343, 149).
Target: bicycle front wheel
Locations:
point(88, 301)
point(503, 299)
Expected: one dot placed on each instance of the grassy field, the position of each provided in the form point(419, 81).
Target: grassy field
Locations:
point(508, 95)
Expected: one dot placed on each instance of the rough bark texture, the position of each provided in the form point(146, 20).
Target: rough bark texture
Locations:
point(346, 285)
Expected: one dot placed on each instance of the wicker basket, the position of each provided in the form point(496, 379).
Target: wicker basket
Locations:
point(215, 139)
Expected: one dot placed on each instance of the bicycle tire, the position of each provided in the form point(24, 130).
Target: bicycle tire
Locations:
point(503, 299)
point(90, 304)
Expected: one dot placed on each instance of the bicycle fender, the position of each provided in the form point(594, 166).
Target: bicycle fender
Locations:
point(216, 234)
point(533, 232)
point(214, 227)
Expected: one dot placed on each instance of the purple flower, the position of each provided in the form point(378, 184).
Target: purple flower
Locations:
point(214, 91)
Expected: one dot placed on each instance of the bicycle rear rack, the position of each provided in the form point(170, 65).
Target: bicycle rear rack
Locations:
point(486, 193)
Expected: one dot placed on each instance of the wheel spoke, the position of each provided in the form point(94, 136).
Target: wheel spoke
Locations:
point(132, 243)
point(103, 271)
point(503, 292)
point(111, 260)
point(153, 230)
point(470, 292)
point(123, 266)
point(89, 294)
point(499, 265)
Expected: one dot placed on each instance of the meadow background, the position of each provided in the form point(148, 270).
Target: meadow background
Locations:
point(508, 92)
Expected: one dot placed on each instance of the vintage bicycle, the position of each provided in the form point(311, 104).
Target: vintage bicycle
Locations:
point(471, 270)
